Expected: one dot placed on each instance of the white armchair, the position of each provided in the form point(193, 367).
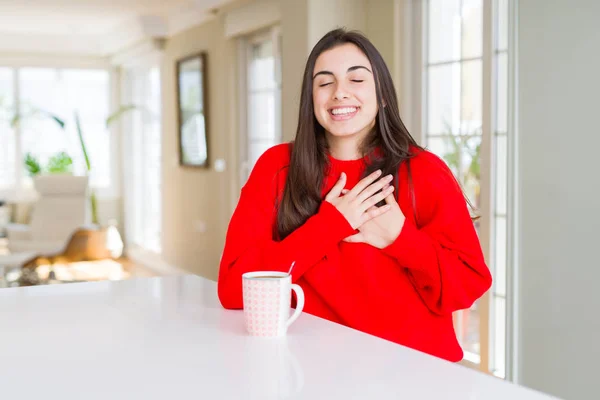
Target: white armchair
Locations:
point(59, 211)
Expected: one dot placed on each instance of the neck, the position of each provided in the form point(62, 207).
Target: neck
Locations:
point(344, 148)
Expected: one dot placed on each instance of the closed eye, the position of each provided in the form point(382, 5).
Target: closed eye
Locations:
point(325, 84)
point(357, 80)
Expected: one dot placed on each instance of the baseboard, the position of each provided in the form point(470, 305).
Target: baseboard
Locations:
point(152, 261)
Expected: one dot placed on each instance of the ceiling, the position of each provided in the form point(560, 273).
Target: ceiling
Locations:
point(93, 27)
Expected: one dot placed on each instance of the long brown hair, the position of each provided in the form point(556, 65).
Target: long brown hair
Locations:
point(303, 188)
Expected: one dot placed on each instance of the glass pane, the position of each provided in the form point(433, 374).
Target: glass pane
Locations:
point(500, 257)
point(472, 15)
point(262, 66)
point(501, 172)
point(499, 346)
point(153, 211)
point(7, 135)
point(443, 147)
point(466, 325)
point(258, 148)
point(61, 93)
point(143, 165)
point(502, 93)
point(444, 30)
point(462, 154)
point(443, 99)
point(261, 116)
point(41, 89)
point(471, 98)
point(6, 92)
point(471, 168)
point(502, 24)
point(87, 92)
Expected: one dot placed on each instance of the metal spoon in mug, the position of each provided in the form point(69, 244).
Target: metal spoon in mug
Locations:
point(292, 266)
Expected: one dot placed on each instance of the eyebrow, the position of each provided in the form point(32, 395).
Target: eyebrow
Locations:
point(354, 68)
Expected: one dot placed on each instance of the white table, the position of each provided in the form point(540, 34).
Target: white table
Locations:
point(169, 338)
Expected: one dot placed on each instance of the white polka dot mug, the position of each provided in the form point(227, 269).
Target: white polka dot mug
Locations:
point(267, 301)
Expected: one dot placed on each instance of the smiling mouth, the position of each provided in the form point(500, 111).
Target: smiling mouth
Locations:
point(343, 113)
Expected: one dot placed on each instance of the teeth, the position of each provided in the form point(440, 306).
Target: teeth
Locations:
point(340, 111)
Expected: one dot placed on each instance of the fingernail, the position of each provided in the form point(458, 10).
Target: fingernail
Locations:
point(390, 189)
point(342, 175)
point(389, 177)
point(378, 172)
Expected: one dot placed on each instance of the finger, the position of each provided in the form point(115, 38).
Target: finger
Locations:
point(336, 190)
point(374, 213)
point(374, 188)
point(376, 198)
point(391, 199)
point(358, 238)
point(360, 186)
point(345, 191)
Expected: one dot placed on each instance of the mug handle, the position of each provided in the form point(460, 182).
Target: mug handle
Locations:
point(299, 304)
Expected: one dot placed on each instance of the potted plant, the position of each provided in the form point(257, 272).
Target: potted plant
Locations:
point(59, 163)
point(62, 162)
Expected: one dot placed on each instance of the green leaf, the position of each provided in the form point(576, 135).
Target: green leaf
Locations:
point(60, 163)
point(32, 165)
point(117, 114)
point(82, 142)
point(94, 206)
point(14, 121)
point(18, 117)
point(475, 167)
point(59, 121)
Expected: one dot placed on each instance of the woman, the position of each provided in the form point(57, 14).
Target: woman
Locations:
point(378, 227)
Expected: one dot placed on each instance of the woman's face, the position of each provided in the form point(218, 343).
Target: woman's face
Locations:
point(344, 98)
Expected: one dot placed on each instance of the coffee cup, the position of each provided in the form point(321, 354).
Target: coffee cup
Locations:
point(267, 301)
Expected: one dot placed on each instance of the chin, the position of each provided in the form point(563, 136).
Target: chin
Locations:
point(338, 131)
point(343, 133)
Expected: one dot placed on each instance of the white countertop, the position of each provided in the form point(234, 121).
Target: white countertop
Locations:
point(169, 338)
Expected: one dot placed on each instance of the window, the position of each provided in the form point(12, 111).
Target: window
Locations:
point(64, 92)
point(7, 134)
point(263, 100)
point(61, 92)
point(142, 161)
point(453, 123)
point(465, 120)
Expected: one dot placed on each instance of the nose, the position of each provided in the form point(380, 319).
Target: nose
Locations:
point(340, 92)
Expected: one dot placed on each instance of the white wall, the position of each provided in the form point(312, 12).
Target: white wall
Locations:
point(324, 16)
point(559, 140)
point(196, 206)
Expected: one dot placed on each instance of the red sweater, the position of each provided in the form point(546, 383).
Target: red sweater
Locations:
point(405, 293)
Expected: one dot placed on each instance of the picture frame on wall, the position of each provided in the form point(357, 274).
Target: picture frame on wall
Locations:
point(192, 111)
